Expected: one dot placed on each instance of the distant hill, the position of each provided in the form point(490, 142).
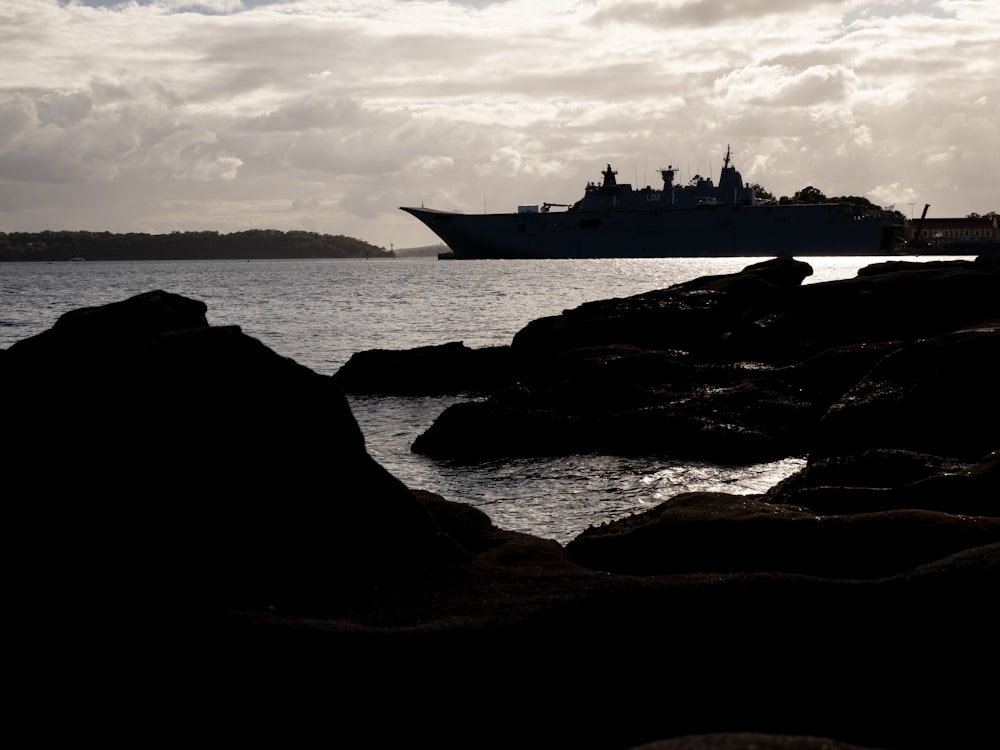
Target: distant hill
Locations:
point(250, 244)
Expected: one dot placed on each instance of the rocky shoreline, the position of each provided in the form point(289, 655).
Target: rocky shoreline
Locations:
point(206, 512)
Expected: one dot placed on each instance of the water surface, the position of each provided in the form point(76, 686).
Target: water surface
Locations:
point(319, 312)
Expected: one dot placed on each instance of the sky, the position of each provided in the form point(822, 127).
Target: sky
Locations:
point(327, 116)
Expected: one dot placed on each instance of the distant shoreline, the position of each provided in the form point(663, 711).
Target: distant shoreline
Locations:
point(254, 244)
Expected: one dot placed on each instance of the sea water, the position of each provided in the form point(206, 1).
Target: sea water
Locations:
point(320, 312)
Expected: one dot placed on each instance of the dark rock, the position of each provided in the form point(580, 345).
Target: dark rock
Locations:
point(692, 316)
point(198, 462)
point(889, 479)
point(481, 430)
point(84, 336)
point(199, 542)
point(714, 532)
point(937, 395)
point(748, 741)
point(752, 367)
point(426, 370)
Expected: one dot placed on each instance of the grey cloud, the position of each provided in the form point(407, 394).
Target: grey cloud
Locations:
point(63, 109)
point(63, 137)
point(805, 58)
point(817, 85)
point(79, 154)
point(16, 115)
point(697, 13)
point(368, 205)
point(283, 46)
point(357, 151)
point(190, 154)
point(313, 112)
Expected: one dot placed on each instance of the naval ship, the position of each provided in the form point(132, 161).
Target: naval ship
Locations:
point(700, 219)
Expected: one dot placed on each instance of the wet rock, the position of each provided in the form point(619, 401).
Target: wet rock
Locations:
point(935, 395)
point(887, 479)
point(426, 370)
point(714, 532)
point(752, 367)
point(692, 316)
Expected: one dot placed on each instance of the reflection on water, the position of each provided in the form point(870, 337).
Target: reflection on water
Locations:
point(556, 497)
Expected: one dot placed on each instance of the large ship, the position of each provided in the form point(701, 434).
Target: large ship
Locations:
point(700, 219)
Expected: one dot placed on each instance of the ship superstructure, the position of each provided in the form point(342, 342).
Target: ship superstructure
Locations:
point(700, 219)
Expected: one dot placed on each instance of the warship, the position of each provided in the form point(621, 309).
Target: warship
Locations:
point(700, 219)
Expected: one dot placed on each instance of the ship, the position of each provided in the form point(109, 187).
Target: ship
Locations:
point(699, 219)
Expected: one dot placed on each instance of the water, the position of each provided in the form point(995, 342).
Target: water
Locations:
point(319, 312)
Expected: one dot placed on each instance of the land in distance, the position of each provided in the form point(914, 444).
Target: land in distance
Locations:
point(253, 244)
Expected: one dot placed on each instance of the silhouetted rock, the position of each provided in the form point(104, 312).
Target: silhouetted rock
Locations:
point(181, 459)
point(751, 367)
point(887, 479)
point(938, 395)
point(716, 532)
point(447, 368)
point(749, 741)
point(199, 542)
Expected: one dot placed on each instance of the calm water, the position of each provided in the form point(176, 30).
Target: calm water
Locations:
point(320, 312)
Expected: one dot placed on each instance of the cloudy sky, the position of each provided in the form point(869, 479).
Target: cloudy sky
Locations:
point(327, 115)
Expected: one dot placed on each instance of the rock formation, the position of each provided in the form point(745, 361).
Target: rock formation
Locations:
point(195, 526)
point(739, 368)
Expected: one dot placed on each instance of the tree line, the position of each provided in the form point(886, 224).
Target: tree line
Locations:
point(812, 194)
point(254, 244)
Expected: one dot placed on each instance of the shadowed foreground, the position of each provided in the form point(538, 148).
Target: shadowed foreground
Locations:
point(201, 543)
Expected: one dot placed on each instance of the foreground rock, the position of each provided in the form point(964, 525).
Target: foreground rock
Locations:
point(196, 527)
point(746, 367)
point(199, 455)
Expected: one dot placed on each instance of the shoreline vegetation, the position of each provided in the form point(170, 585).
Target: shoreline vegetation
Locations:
point(253, 244)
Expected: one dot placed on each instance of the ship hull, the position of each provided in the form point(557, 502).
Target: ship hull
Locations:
point(706, 231)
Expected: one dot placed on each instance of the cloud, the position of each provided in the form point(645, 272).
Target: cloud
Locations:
point(778, 86)
point(64, 137)
point(163, 114)
point(701, 13)
point(62, 109)
point(192, 155)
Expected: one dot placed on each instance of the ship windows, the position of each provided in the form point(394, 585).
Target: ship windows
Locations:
point(590, 223)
